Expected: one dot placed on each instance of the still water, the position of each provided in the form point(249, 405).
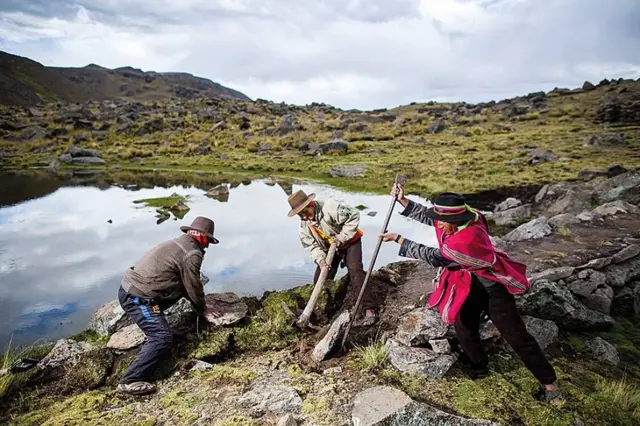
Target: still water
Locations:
point(61, 258)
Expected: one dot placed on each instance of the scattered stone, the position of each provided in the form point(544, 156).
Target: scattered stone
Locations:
point(553, 274)
point(440, 346)
point(507, 204)
point(563, 219)
point(566, 200)
point(546, 300)
point(615, 207)
point(33, 132)
point(201, 366)
point(109, 318)
point(263, 398)
point(219, 191)
point(600, 300)
point(88, 161)
point(229, 306)
point(332, 338)
point(419, 360)
point(615, 170)
point(626, 253)
point(220, 125)
point(387, 406)
point(624, 187)
point(332, 371)
point(348, 171)
point(588, 175)
point(603, 351)
point(544, 331)
point(512, 216)
point(127, 338)
point(623, 303)
point(419, 326)
point(541, 156)
point(535, 229)
point(588, 216)
point(489, 331)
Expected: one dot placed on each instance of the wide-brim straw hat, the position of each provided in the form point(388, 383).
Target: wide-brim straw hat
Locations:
point(298, 201)
point(204, 225)
point(450, 207)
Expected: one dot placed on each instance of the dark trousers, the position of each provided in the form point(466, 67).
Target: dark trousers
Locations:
point(500, 305)
point(352, 257)
point(150, 318)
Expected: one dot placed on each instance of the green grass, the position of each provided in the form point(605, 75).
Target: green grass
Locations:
point(442, 162)
point(372, 357)
point(160, 202)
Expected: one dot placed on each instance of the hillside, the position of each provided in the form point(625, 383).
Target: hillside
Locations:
point(25, 82)
point(536, 138)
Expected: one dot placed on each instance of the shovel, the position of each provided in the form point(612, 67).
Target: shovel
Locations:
point(303, 320)
point(400, 179)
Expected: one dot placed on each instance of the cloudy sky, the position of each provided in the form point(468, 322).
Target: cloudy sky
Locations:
point(349, 53)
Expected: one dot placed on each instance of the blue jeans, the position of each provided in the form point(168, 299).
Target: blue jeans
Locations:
point(150, 318)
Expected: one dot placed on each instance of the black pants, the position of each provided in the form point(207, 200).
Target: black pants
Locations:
point(352, 257)
point(501, 308)
point(150, 318)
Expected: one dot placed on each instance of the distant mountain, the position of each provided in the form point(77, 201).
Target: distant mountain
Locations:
point(26, 82)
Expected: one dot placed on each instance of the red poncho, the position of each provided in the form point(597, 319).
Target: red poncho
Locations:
point(473, 251)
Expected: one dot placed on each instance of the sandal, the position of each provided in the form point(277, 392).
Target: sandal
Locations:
point(136, 388)
point(369, 318)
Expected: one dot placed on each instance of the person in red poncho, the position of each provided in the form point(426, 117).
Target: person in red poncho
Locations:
point(473, 277)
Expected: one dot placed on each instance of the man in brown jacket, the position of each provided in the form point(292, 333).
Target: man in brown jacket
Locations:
point(166, 273)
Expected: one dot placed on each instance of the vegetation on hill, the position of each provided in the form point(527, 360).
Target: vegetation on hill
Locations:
point(540, 137)
point(26, 82)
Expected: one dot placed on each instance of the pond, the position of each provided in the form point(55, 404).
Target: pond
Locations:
point(64, 246)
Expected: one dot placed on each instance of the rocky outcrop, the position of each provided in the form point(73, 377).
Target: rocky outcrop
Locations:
point(338, 146)
point(230, 308)
point(82, 156)
point(387, 406)
point(546, 300)
point(63, 357)
point(109, 318)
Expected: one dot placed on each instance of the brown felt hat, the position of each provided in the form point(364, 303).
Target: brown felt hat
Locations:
point(204, 225)
point(298, 201)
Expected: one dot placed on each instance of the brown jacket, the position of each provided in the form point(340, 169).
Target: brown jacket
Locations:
point(169, 271)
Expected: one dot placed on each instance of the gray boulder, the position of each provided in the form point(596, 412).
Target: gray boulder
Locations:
point(512, 216)
point(586, 282)
point(265, 398)
point(229, 306)
point(626, 253)
point(602, 350)
point(419, 360)
point(76, 151)
point(535, 229)
point(553, 274)
point(615, 207)
point(95, 161)
point(620, 274)
point(540, 156)
point(332, 338)
point(109, 318)
point(127, 338)
point(563, 219)
point(387, 406)
point(419, 326)
point(437, 126)
point(625, 186)
point(348, 171)
point(507, 204)
point(546, 300)
point(544, 331)
point(65, 354)
point(329, 147)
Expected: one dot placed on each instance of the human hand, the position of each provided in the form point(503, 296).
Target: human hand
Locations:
point(397, 191)
point(389, 236)
point(323, 264)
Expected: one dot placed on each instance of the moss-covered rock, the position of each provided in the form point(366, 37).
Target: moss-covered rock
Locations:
point(91, 371)
point(213, 346)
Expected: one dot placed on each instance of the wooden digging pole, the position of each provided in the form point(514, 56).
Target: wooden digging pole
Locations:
point(400, 179)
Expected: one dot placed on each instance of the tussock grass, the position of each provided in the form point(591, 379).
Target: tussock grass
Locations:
point(373, 356)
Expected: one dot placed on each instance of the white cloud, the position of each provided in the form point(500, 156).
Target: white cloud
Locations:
point(363, 54)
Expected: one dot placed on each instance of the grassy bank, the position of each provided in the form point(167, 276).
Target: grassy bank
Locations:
point(480, 148)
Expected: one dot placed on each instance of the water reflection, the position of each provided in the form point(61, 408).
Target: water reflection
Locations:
point(62, 254)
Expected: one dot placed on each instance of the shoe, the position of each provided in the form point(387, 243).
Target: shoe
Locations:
point(546, 395)
point(370, 318)
point(136, 388)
